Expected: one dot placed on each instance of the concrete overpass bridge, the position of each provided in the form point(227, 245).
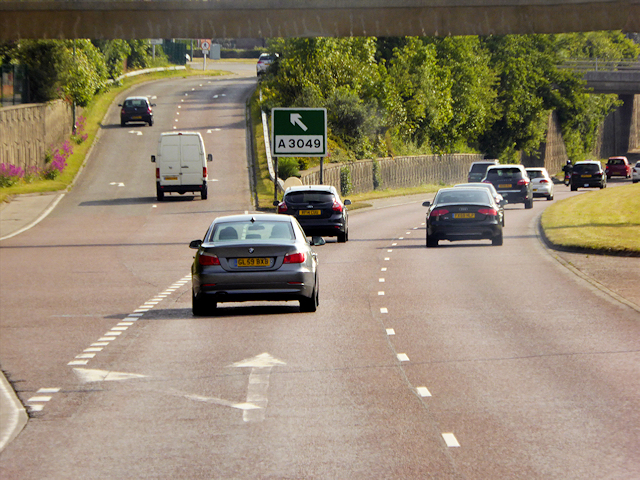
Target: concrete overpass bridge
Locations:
point(622, 78)
point(127, 19)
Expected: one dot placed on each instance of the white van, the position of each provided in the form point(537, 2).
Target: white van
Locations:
point(181, 164)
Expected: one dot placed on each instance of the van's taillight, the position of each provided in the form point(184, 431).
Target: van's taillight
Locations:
point(492, 212)
point(208, 260)
point(157, 173)
point(336, 206)
point(438, 212)
point(204, 172)
point(282, 207)
point(294, 258)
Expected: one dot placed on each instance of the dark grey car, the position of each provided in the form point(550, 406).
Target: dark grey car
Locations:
point(319, 210)
point(254, 257)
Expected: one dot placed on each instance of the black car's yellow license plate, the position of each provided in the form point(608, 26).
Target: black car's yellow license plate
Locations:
point(464, 215)
point(585, 176)
point(137, 117)
point(309, 212)
point(505, 185)
point(254, 262)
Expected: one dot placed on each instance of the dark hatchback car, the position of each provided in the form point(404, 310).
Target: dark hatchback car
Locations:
point(136, 109)
point(588, 174)
point(512, 182)
point(463, 214)
point(319, 210)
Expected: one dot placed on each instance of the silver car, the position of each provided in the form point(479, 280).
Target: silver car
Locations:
point(541, 182)
point(254, 257)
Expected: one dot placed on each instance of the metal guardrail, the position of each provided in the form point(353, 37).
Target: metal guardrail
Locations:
point(597, 65)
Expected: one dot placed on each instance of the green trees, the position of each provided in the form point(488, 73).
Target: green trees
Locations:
point(490, 94)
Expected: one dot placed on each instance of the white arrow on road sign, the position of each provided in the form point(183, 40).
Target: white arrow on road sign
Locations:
point(295, 120)
point(261, 366)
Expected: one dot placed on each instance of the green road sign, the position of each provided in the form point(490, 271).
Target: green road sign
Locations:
point(299, 132)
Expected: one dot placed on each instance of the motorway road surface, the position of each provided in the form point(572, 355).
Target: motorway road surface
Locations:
point(463, 362)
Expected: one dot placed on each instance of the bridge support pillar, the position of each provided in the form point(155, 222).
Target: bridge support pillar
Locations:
point(619, 132)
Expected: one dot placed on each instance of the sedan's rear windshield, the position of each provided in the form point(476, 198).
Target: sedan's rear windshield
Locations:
point(506, 173)
point(586, 168)
point(309, 197)
point(251, 231)
point(535, 174)
point(460, 195)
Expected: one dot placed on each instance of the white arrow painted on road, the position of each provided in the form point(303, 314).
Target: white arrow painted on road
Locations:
point(89, 375)
point(261, 366)
point(295, 120)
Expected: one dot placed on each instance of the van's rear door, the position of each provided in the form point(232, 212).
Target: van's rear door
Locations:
point(169, 162)
point(192, 159)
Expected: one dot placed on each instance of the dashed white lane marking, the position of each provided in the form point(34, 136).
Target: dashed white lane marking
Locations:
point(93, 349)
point(400, 238)
point(383, 269)
point(381, 280)
point(423, 391)
point(391, 331)
point(450, 440)
point(389, 251)
point(78, 362)
point(394, 244)
point(384, 310)
point(403, 357)
point(85, 355)
point(386, 259)
point(380, 293)
point(48, 390)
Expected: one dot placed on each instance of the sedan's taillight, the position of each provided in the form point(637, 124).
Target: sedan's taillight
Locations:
point(294, 258)
point(282, 207)
point(523, 181)
point(491, 212)
point(206, 260)
point(438, 212)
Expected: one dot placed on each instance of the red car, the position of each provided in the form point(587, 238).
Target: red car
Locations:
point(618, 167)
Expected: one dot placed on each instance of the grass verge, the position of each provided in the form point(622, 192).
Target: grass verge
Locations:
point(94, 113)
point(605, 220)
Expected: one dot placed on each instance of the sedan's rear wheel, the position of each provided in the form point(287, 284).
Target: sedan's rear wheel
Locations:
point(431, 242)
point(342, 237)
point(497, 240)
point(199, 307)
point(310, 304)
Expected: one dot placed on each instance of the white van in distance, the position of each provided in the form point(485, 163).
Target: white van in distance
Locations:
point(181, 164)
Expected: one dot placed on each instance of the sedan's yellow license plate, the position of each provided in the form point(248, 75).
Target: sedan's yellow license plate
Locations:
point(137, 117)
point(254, 262)
point(170, 177)
point(309, 212)
point(585, 176)
point(505, 185)
point(464, 215)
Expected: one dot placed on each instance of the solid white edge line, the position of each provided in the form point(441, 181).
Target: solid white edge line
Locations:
point(37, 220)
point(16, 416)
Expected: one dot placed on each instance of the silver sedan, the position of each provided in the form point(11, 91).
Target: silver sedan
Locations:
point(254, 257)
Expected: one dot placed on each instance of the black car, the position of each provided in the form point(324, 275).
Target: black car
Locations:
point(588, 174)
point(463, 214)
point(512, 182)
point(478, 170)
point(136, 109)
point(318, 209)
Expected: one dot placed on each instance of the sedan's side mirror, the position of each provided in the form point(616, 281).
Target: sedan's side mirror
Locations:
point(153, 104)
point(276, 203)
point(347, 202)
point(426, 204)
point(503, 202)
point(153, 159)
point(195, 244)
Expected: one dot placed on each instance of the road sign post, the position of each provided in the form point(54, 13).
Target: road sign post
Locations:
point(299, 132)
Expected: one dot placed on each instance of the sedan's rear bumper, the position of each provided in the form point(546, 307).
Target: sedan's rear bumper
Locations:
point(452, 233)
